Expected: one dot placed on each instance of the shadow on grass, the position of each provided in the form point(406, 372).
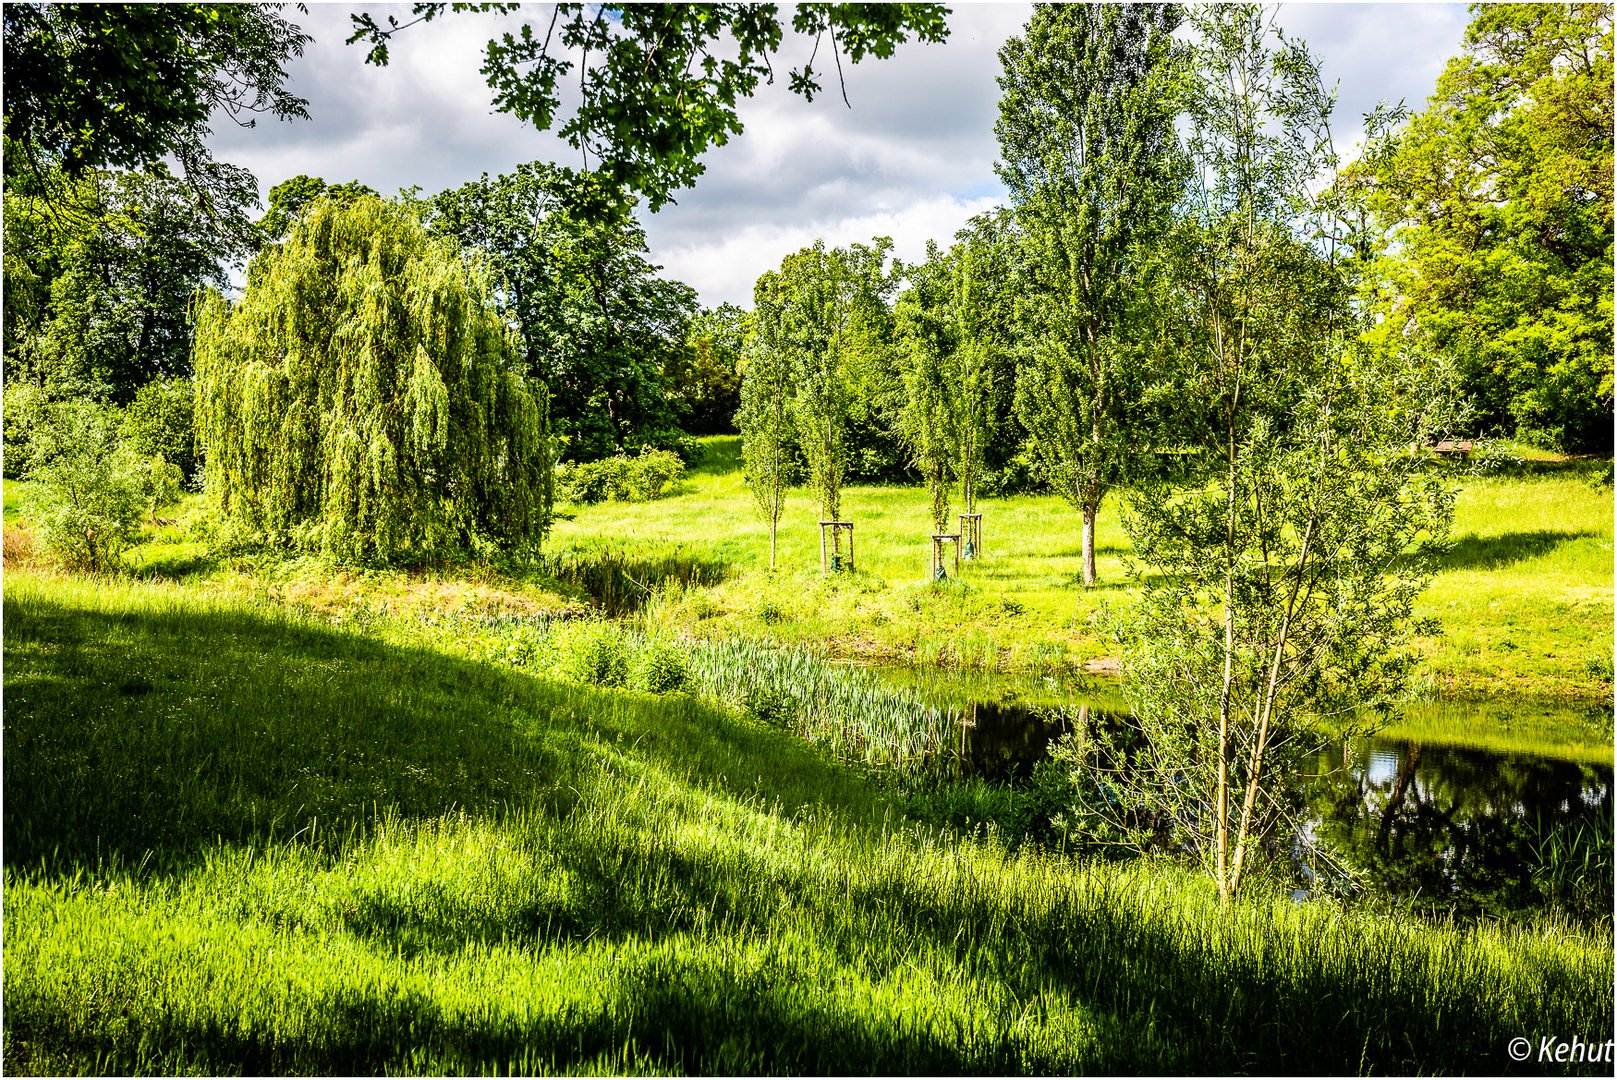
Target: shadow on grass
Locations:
point(174, 565)
point(718, 457)
point(1472, 552)
point(620, 582)
point(713, 952)
point(165, 729)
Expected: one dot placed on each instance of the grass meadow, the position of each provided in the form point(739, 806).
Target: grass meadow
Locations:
point(1522, 605)
point(240, 838)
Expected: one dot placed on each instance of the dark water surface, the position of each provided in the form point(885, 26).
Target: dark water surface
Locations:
point(1450, 829)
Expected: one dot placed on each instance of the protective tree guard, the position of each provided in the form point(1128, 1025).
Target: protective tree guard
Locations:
point(939, 571)
point(831, 556)
point(971, 532)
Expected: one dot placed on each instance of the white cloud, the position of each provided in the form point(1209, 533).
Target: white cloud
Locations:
point(725, 268)
point(913, 157)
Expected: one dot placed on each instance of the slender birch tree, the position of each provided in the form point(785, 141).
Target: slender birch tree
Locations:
point(1277, 584)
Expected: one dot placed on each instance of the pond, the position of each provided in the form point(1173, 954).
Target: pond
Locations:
point(1437, 826)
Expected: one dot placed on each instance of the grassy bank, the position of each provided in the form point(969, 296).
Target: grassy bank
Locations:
point(1522, 604)
point(240, 839)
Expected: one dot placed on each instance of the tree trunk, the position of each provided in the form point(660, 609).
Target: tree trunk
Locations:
point(772, 526)
point(1091, 508)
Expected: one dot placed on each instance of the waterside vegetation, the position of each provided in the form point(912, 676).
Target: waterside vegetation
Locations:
point(492, 871)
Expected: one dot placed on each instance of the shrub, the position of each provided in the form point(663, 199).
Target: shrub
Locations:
point(92, 487)
point(25, 404)
point(163, 480)
point(620, 478)
point(661, 668)
point(160, 422)
point(593, 652)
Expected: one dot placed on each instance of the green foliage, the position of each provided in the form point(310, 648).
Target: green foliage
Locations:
point(765, 416)
point(129, 85)
point(983, 364)
point(660, 667)
point(24, 411)
point(660, 83)
point(1089, 155)
point(623, 479)
point(703, 379)
point(597, 324)
point(595, 653)
point(161, 422)
point(1281, 579)
point(105, 292)
point(289, 198)
point(927, 418)
point(1497, 203)
point(91, 487)
point(825, 312)
point(359, 401)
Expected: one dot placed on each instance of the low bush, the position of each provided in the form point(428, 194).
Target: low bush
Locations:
point(621, 478)
point(660, 668)
point(25, 404)
point(92, 489)
point(593, 652)
point(160, 422)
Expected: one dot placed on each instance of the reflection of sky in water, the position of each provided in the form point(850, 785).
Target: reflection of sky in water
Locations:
point(1383, 766)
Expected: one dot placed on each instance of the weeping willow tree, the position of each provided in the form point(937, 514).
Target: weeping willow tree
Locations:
point(359, 401)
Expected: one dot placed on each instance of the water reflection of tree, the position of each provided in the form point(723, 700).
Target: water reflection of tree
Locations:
point(1472, 833)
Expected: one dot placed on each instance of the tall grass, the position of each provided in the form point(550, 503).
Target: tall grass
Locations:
point(238, 840)
point(852, 713)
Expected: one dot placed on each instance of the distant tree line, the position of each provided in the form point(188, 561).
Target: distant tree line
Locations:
point(1484, 227)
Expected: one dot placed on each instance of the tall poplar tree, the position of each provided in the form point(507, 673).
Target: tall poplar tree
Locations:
point(1088, 154)
point(765, 417)
point(361, 399)
point(982, 312)
point(929, 348)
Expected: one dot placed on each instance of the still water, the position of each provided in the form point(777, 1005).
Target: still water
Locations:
point(1447, 829)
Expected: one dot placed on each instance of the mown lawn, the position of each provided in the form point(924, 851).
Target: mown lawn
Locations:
point(239, 839)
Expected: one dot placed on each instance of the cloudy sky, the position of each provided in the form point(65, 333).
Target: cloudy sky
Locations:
point(913, 157)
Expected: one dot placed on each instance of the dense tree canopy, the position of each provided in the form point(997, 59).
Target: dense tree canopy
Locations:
point(360, 401)
point(289, 198)
point(97, 302)
point(598, 326)
point(127, 85)
point(703, 379)
point(1499, 201)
